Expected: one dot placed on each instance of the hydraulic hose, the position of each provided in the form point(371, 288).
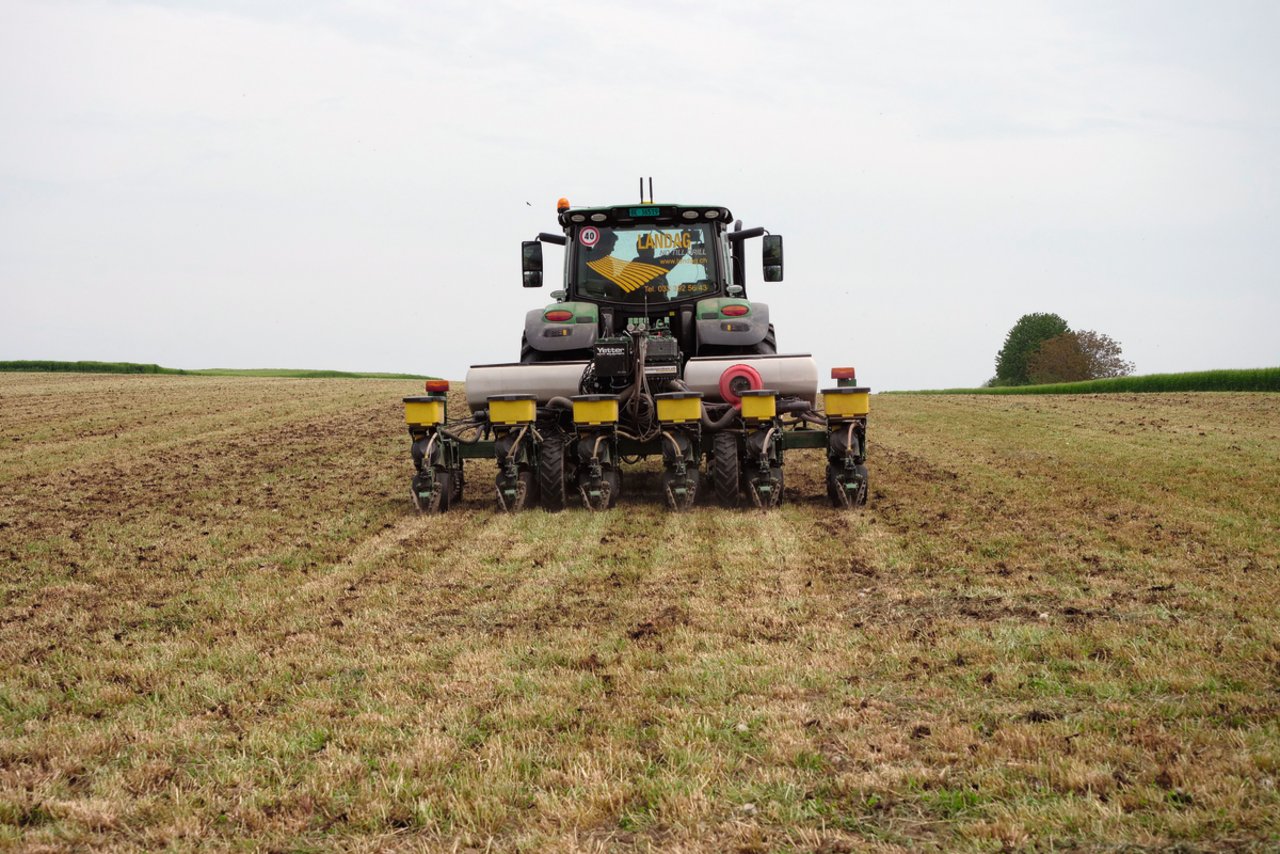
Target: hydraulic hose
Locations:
point(638, 398)
point(794, 404)
point(674, 444)
point(511, 452)
point(720, 423)
point(464, 426)
point(764, 445)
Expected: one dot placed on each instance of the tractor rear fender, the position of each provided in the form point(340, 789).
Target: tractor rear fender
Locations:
point(551, 336)
point(718, 329)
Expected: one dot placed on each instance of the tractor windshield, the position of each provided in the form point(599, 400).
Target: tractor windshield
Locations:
point(640, 264)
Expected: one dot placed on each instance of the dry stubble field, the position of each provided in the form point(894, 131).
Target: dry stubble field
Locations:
point(221, 625)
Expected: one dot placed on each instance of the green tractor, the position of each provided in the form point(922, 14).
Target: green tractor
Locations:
point(651, 348)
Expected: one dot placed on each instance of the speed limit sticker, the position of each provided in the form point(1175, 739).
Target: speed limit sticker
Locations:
point(589, 236)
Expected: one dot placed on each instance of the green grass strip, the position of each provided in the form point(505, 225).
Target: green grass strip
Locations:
point(88, 367)
point(303, 374)
point(137, 368)
point(1247, 379)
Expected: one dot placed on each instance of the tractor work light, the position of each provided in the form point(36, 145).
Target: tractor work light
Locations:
point(846, 401)
point(512, 409)
point(679, 407)
point(595, 410)
point(759, 404)
point(437, 386)
point(425, 410)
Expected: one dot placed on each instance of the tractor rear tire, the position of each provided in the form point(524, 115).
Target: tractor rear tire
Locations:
point(551, 474)
point(726, 469)
point(530, 356)
point(768, 346)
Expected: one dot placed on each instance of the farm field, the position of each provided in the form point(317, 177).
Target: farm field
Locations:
point(221, 624)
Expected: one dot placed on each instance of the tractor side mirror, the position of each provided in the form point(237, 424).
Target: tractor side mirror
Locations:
point(531, 263)
point(771, 252)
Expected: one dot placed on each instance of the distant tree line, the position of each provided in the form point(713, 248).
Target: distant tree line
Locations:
point(1041, 348)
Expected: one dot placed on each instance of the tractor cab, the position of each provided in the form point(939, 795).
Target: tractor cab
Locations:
point(650, 348)
point(638, 263)
point(674, 269)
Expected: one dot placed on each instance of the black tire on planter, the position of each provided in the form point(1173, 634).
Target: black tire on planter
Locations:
point(614, 478)
point(551, 474)
point(726, 469)
point(691, 482)
point(459, 483)
point(445, 484)
point(525, 477)
point(833, 487)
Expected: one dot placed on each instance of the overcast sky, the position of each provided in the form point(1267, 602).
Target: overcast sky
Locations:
point(345, 185)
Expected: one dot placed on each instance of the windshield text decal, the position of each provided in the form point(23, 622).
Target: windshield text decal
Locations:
point(664, 240)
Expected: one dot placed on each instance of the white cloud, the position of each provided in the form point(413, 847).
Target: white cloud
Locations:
point(344, 184)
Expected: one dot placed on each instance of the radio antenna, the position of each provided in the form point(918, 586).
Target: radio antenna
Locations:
point(650, 189)
point(642, 191)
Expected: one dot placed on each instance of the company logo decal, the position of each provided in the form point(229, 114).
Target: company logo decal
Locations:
point(628, 275)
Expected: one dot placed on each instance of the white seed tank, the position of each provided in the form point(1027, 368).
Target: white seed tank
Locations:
point(790, 376)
